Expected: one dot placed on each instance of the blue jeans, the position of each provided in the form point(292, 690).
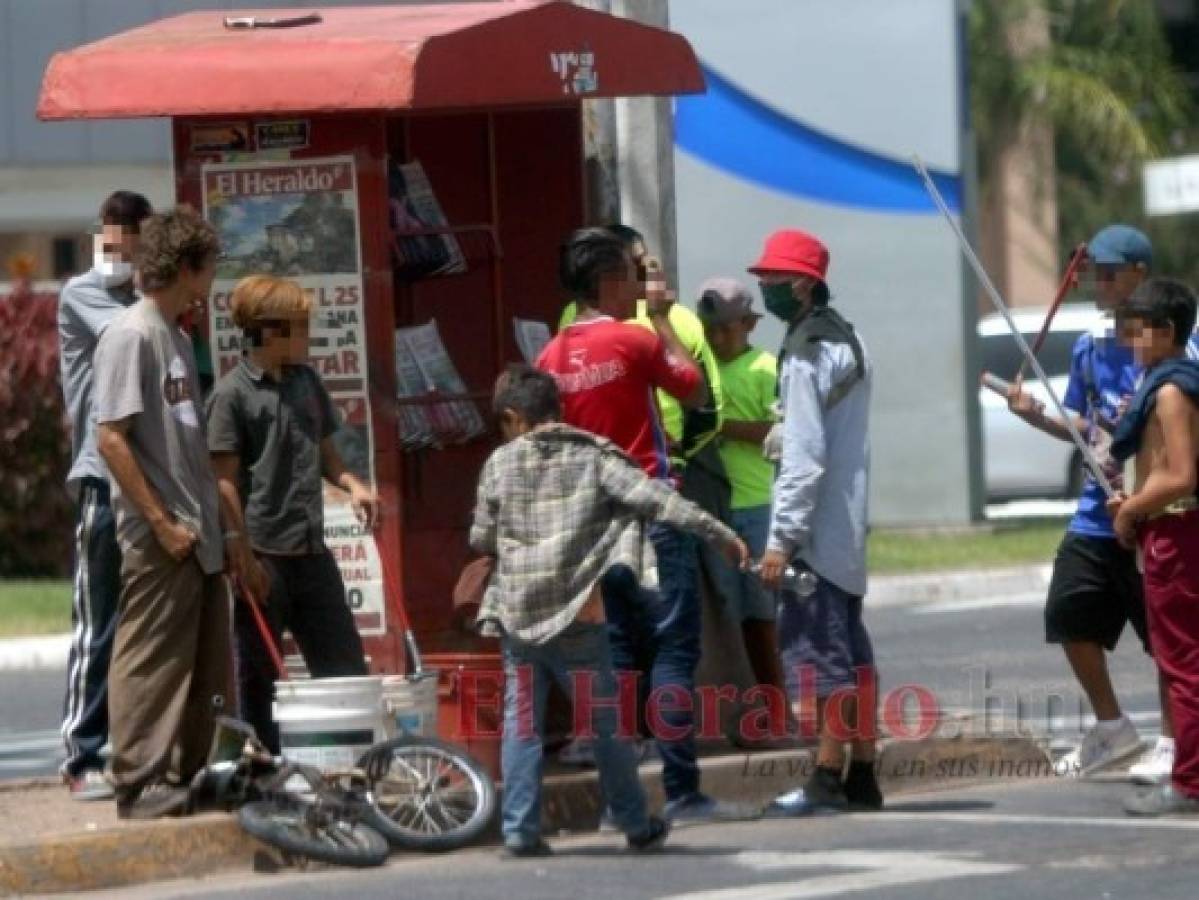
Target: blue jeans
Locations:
point(528, 668)
point(658, 633)
point(742, 593)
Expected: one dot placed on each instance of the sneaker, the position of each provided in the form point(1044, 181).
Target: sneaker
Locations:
point(652, 838)
point(155, 801)
point(579, 752)
point(89, 784)
point(1155, 766)
point(861, 788)
point(699, 807)
point(1164, 800)
point(1102, 747)
point(517, 849)
point(823, 793)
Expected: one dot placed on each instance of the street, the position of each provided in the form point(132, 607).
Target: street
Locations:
point(1062, 839)
point(948, 648)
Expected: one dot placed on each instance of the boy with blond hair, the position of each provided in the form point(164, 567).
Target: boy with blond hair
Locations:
point(270, 433)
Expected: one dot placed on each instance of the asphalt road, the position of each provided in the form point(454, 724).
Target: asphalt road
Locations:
point(951, 650)
point(1059, 839)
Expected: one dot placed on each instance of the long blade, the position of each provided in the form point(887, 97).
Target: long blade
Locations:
point(1002, 308)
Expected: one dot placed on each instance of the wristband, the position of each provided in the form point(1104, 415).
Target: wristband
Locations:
point(230, 535)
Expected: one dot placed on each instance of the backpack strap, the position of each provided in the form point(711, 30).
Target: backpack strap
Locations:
point(826, 324)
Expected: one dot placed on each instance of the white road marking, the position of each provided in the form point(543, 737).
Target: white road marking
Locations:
point(878, 869)
point(1179, 824)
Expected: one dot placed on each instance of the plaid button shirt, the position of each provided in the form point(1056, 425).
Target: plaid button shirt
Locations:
point(558, 507)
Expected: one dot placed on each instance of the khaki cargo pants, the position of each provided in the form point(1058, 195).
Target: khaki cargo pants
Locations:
point(171, 670)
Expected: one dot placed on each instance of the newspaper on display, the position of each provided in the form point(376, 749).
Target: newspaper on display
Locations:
point(414, 213)
point(299, 220)
point(531, 338)
point(424, 370)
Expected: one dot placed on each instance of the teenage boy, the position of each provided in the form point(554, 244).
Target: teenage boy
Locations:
point(749, 378)
point(557, 507)
point(270, 432)
point(818, 523)
point(87, 306)
point(606, 372)
point(1161, 427)
point(1095, 589)
point(170, 662)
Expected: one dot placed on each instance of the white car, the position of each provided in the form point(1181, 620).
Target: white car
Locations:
point(1019, 460)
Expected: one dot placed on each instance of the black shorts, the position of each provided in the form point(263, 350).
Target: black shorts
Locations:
point(1095, 590)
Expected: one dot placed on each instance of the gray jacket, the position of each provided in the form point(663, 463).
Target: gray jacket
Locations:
point(85, 309)
point(820, 494)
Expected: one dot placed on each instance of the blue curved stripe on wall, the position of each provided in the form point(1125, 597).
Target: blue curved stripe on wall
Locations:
point(735, 132)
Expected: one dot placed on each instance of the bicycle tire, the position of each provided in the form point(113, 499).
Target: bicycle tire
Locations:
point(426, 794)
point(288, 824)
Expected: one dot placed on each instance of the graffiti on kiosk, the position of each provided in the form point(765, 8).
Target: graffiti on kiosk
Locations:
point(577, 70)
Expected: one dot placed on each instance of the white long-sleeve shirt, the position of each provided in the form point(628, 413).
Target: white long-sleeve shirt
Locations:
point(820, 495)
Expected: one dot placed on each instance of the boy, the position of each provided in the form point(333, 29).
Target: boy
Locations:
point(88, 304)
point(270, 433)
point(557, 507)
point(750, 383)
point(1095, 589)
point(1161, 426)
point(170, 660)
point(818, 521)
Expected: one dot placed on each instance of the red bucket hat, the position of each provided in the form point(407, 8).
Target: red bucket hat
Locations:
point(791, 250)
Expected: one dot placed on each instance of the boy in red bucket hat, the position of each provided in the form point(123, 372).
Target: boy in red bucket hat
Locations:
point(818, 523)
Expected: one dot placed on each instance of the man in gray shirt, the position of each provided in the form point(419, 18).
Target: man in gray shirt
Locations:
point(170, 671)
point(88, 304)
point(818, 523)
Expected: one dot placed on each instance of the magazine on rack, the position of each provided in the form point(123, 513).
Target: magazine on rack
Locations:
point(531, 338)
point(423, 370)
point(414, 208)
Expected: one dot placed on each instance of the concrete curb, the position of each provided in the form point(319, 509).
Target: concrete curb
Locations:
point(945, 587)
point(34, 653)
point(202, 845)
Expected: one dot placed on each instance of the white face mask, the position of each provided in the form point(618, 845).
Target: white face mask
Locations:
point(114, 272)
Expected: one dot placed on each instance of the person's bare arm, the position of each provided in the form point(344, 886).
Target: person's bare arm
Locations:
point(1026, 407)
point(1173, 474)
point(364, 500)
point(751, 432)
point(658, 301)
point(242, 563)
point(113, 443)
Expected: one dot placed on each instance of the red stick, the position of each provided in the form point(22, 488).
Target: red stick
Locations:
point(1068, 279)
point(264, 630)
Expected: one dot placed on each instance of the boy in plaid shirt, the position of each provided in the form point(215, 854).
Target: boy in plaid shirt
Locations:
point(557, 507)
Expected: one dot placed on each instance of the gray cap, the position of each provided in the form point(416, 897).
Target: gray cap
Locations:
point(724, 300)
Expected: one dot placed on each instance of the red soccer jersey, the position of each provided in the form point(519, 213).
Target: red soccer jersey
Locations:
point(606, 373)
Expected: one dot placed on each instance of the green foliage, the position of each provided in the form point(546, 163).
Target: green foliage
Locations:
point(35, 513)
point(34, 606)
point(1108, 85)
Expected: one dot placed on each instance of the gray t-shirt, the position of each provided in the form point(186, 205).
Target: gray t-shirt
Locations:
point(145, 369)
point(275, 428)
point(85, 308)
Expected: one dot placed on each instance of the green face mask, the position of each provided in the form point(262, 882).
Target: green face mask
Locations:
point(780, 300)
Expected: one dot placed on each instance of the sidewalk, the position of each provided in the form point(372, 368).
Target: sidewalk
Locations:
point(50, 652)
point(50, 843)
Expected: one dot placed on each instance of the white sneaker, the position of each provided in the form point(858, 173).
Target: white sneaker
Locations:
point(1155, 766)
point(1103, 746)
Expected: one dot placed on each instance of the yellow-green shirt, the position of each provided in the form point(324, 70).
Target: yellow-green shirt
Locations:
point(749, 394)
point(690, 330)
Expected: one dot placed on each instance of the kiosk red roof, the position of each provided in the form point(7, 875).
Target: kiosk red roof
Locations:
point(454, 55)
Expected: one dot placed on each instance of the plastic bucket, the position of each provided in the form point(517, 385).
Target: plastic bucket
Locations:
point(410, 704)
point(329, 722)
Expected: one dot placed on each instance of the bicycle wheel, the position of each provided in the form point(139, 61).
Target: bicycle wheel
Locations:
point(426, 794)
point(308, 829)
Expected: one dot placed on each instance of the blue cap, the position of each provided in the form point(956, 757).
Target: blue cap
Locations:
point(1120, 245)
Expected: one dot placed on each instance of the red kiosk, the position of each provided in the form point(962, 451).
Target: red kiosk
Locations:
point(295, 132)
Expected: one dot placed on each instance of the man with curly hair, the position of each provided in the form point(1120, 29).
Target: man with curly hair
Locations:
point(169, 674)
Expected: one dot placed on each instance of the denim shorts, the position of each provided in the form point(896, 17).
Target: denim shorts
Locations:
point(741, 593)
point(823, 634)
